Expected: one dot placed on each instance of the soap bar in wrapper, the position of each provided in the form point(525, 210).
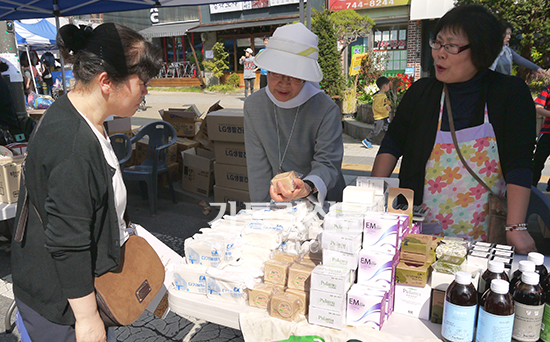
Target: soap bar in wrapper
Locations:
point(287, 178)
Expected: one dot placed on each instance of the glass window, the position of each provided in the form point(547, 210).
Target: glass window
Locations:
point(394, 40)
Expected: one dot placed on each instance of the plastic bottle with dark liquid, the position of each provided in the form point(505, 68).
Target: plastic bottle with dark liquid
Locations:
point(524, 266)
point(459, 309)
point(495, 270)
point(496, 313)
point(538, 259)
point(528, 308)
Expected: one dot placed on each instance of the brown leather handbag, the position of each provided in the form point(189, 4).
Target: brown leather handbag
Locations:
point(123, 294)
point(498, 207)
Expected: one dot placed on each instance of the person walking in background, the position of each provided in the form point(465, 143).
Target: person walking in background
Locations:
point(542, 151)
point(75, 233)
point(503, 63)
point(381, 110)
point(263, 72)
point(47, 76)
point(249, 74)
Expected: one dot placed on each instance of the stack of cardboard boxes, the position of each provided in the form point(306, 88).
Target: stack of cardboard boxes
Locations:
point(226, 130)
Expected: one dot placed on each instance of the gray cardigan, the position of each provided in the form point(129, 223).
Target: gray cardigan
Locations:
point(70, 184)
point(315, 150)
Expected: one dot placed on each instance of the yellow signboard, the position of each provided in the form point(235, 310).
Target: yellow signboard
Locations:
point(355, 65)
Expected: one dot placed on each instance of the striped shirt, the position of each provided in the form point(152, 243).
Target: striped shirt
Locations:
point(542, 100)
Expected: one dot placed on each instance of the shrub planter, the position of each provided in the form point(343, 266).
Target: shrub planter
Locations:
point(364, 113)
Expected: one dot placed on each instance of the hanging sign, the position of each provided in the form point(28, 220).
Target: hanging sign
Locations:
point(337, 5)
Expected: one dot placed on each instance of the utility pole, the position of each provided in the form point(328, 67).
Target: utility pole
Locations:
point(8, 47)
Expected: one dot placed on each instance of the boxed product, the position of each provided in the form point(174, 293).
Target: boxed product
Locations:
point(376, 269)
point(286, 257)
point(304, 299)
point(260, 295)
point(190, 278)
point(327, 300)
point(336, 241)
point(184, 120)
point(328, 318)
point(285, 305)
point(366, 307)
point(229, 284)
point(331, 279)
point(413, 300)
point(343, 223)
point(198, 167)
point(10, 174)
point(299, 277)
point(236, 199)
point(412, 274)
point(231, 176)
point(116, 124)
point(226, 125)
point(357, 194)
point(438, 301)
point(340, 259)
point(441, 281)
point(381, 232)
point(232, 153)
point(276, 272)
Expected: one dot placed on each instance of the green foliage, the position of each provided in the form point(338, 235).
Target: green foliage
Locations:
point(222, 88)
point(349, 25)
point(219, 63)
point(373, 65)
point(537, 84)
point(233, 80)
point(531, 22)
point(329, 57)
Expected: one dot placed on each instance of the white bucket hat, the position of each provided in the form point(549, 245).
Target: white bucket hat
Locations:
point(292, 51)
point(249, 50)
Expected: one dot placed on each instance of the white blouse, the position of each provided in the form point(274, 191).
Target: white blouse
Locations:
point(118, 183)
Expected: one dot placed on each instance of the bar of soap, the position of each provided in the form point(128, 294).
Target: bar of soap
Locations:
point(299, 276)
point(285, 257)
point(275, 272)
point(285, 306)
point(304, 298)
point(287, 178)
point(260, 295)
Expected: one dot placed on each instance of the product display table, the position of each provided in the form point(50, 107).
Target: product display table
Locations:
point(257, 325)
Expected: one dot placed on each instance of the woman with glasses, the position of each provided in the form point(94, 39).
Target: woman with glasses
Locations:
point(75, 225)
point(292, 125)
point(494, 118)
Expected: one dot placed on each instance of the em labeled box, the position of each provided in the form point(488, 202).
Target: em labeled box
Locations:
point(198, 175)
point(231, 176)
point(226, 125)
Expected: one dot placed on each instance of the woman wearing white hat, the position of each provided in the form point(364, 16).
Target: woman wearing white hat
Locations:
point(292, 125)
point(249, 74)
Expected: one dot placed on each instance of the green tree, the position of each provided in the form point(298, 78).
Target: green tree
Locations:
point(219, 63)
point(329, 57)
point(349, 26)
point(531, 22)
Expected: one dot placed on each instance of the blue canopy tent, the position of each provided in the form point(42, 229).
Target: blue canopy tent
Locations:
point(40, 35)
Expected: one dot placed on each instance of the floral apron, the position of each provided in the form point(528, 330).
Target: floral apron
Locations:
point(456, 200)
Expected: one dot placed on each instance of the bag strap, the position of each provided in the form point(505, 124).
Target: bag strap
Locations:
point(24, 213)
point(455, 142)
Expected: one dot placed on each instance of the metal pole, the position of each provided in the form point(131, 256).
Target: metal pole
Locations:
point(302, 20)
point(61, 60)
point(308, 12)
point(30, 67)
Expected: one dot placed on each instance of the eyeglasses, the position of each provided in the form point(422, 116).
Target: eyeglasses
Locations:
point(451, 48)
point(280, 77)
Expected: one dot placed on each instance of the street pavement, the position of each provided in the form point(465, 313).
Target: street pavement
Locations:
point(175, 222)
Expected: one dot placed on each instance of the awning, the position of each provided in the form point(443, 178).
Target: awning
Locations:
point(243, 24)
point(430, 9)
point(169, 30)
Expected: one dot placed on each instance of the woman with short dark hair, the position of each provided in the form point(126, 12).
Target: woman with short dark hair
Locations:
point(76, 194)
point(494, 118)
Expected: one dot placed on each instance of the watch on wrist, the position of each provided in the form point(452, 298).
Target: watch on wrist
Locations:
point(311, 186)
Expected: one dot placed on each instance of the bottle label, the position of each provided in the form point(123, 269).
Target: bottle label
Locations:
point(528, 321)
point(458, 322)
point(545, 329)
point(494, 328)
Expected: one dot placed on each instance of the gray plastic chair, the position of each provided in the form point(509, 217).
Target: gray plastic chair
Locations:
point(122, 145)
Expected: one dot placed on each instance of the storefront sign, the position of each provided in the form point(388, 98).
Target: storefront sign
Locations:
point(409, 71)
point(337, 5)
point(247, 5)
